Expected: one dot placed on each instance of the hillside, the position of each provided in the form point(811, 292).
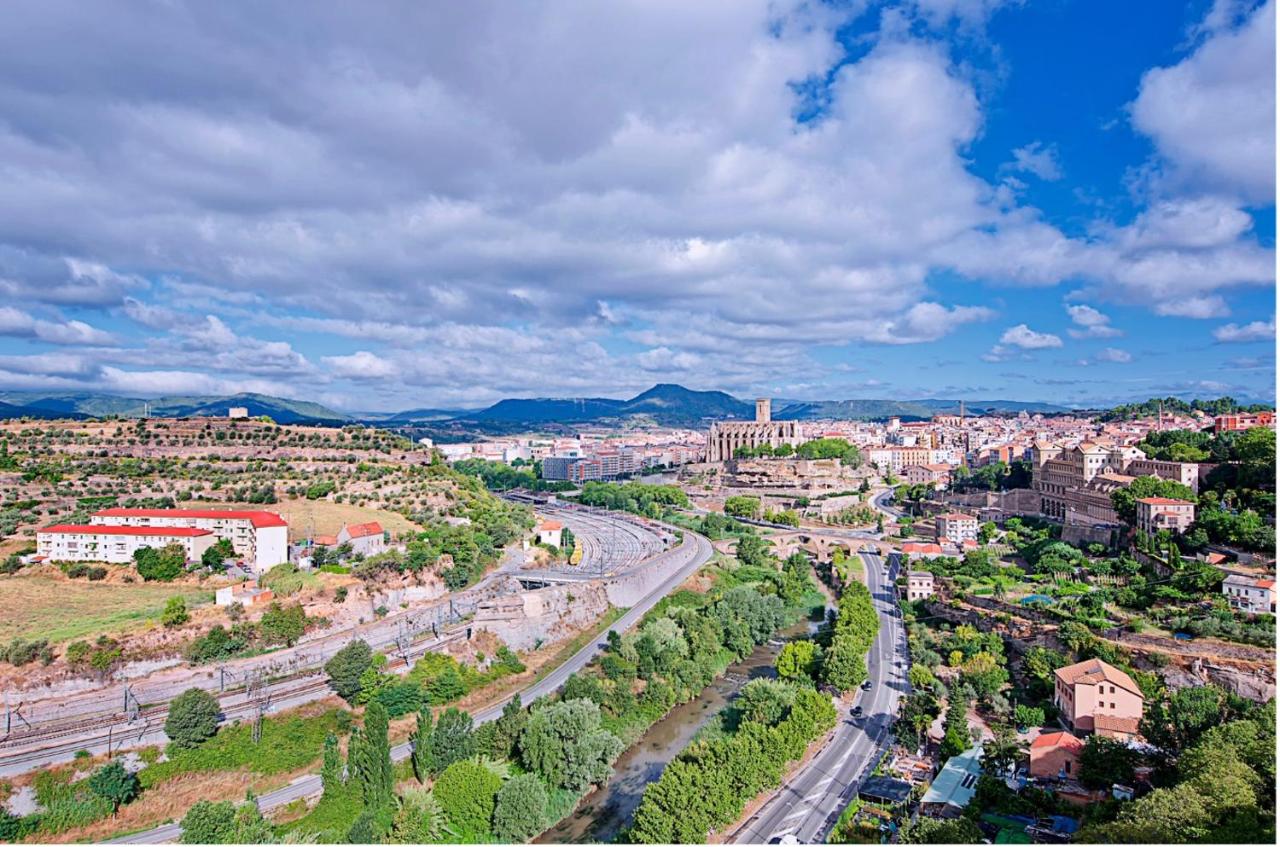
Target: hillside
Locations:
point(15, 404)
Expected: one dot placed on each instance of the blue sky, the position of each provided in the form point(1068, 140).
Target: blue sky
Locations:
point(437, 206)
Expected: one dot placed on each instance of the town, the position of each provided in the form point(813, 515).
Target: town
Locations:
point(1048, 616)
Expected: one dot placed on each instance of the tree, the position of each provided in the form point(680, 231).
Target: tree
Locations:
point(420, 744)
point(1177, 723)
point(521, 809)
point(207, 822)
point(507, 729)
point(955, 738)
point(175, 612)
point(157, 566)
point(799, 661)
point(193, 718)
point(283, 624)
point(1125, 500)
point(114, 784)
point(1106, 761)
point(742, 506)
point(566, 744)
point(934, 831)
point(1028, 716)
point(371, 759)
point(419, 819)
point(345, 668)
point(752, 550)
point(466, 791)
point(331, 766)
point(764, 701)
point(1001, 753)
point(452, 740)
point(1178, 815)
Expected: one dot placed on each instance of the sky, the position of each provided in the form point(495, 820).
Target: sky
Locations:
point(425, 205)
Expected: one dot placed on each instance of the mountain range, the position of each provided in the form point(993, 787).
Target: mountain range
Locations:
point(665, 404)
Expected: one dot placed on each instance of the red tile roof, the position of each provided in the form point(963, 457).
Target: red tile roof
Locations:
point(1058, 739)
point(258, 519)
point(103, 529)
point(1093, 671)
point(362, 530)
point(1112, 723)
point(550, 526)
point(1164, 501)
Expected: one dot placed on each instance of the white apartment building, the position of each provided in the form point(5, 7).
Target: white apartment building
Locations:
point(116, 544)
point(1249, 594)
point(919, 585)
point(956, 528)
point(260, 538)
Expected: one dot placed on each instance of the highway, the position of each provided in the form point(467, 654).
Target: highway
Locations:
point(808, 805)
point(686, 559)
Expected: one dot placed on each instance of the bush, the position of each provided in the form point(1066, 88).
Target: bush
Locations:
point(114, 784)
point(521, 809)
point(467, 792)
point(175, 612)
point(346, 667)
point(193, 718)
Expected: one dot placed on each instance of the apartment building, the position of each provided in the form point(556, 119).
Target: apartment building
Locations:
point(919, 585)
point(1157, 513)
point(1099, 698)
point(117, 544)
point(956, 528)
point(1075, 483)
point(260, 538)
point(1250, 594)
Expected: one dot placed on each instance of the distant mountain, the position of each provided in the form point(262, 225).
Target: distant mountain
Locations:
point(412, 415)
point(921, 409)
point(84, 405)
point(675, 403)
point(546, 410)
point(9, 411)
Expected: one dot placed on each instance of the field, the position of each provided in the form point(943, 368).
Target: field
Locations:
point(36, 607)
point(323, 517)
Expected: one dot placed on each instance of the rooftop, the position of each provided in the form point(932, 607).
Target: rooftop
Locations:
point(1057, 739)
point(1093, 671)
point(258, 519)
point(102, 529)
point(1165, 501)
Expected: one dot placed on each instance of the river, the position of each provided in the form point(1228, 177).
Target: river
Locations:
point(603, 813)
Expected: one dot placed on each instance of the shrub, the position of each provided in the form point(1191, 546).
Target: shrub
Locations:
point(467, 792)
point(175, 612)
point(346, 667)
point(193, 718)
point(521, 809)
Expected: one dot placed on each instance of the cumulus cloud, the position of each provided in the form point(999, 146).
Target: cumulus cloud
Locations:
point(1212, 306)
point(17, 323)
point(1028, 339)
point(361, 365)
point(1254, 331)
point(1090, 323)
point(1113, 354)
point(1037, 159)
point(1212, 116)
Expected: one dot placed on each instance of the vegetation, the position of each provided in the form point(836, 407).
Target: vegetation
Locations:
point(635, 497)
point(193, 718)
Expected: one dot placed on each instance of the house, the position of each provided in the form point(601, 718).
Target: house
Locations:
point(954, 786)
point(1097, 697)
point(1157, 513)
point(260, 538)
point(117, 544)
point(550, 533)
point(919, 585)
point(1056, 755)
point(1249, 594)
point(930, 474)
point(919, 549)
point(956, 528)
point(367, 539)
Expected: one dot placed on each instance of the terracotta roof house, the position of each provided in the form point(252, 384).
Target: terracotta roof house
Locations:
point(367, 539)
point(1097, 697)
point(1055, 755)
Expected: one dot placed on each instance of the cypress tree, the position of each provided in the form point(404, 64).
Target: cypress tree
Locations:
point(421, 740)
point(331, 769)
point(377, 778)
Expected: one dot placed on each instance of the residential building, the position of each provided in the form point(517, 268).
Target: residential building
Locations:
point(260, 538)
point(367, 539)
point(238, 412)
point(1242, 421)
point(245, 596)
point(1187, 473)
point(1157, 513)
point(1250, 594)
point(937, 475)
point(954, 786)
point(1056, 755)
point(956, 528)
point(920, 549)
point(919, 585)
point(117, 544)
point(1094, 696)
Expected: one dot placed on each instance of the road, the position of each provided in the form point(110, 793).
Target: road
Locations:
point(808, 806)
point(131, 713)
point(688, 557)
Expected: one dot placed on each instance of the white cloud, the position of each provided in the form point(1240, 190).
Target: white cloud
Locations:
point(1028, 339)
point(1037, 159)
point(1212, 306)
point(1212, 116)
point(1255, 331)
point(1094, 324)
point(17, 323)
point(361, 365)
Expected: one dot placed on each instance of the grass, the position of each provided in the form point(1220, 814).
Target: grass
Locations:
point(39, 607)
point(332, 816)
point(287, 743)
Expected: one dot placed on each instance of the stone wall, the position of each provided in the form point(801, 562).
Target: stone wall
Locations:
point(546, 615)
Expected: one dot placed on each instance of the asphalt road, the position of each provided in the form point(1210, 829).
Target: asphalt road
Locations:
point(808, 806)
point(691, 555)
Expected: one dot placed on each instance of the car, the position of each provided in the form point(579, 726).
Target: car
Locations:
point(866, 686)
point(857, 711)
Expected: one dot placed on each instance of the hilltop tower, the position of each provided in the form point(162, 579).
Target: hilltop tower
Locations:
point(764, 410)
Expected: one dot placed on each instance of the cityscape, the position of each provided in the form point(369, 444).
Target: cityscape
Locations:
point(754, 422)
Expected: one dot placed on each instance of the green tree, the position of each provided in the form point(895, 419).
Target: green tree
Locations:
point(467, 792)
point(566, 743)
point(742, 506)
point(114, 784)
point(345, 668)
point(207, 822)
point(1125, 500)
point(507, 729)
point(283, 624)
point(158, 566)
point(1106, 761)
point(193, 718)
point(175, 612)
point(420, 742)
point(924, 830)
point(955, 738)
point(331, 766)
point(452, 740)
point(371, 758)
point(799, 661)
point(521, 809)
point(419, 818)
